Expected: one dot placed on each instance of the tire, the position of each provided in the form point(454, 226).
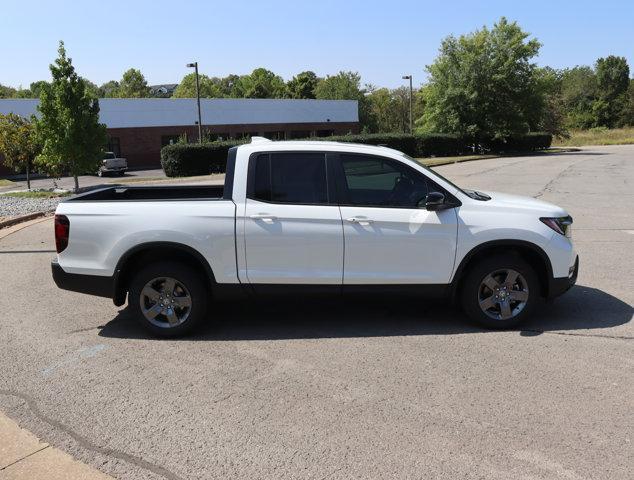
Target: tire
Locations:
point(500, 292)
point(168, 298)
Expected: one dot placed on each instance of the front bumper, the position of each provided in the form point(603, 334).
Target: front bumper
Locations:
point(88, 284)
point(559, 286)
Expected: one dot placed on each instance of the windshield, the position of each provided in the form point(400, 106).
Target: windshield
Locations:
point(435, 174)
point(109, 156)
point(468, 192)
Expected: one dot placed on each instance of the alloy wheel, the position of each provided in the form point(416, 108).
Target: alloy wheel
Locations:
point(503, 294)
point(165, 302)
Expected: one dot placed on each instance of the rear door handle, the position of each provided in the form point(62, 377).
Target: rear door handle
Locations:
point(265, 217)
point(360, 221)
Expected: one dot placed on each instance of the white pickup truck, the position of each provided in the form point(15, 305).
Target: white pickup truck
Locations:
point(313, 217)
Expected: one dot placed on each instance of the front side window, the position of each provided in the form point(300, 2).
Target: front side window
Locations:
point(379, 182)
point(291, 178)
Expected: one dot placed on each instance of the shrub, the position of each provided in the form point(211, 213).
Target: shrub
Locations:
point(440, 145)
point(404, 142)
point(185, 159)
point(518, 143)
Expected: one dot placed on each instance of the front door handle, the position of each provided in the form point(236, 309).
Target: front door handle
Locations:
point(360, 220)
point(265, 217)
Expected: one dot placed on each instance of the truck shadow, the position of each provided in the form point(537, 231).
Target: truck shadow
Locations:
point(580, 309)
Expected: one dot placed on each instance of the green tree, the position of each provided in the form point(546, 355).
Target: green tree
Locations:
point(484, 85)
point(302, 85)
point(23, 93)
point(133, 85)
point(628, 114)
point(227, 85)
point(386, 110)
point(343, 86)
point(187, 87)
point(347, 86)
point(549, 83)
point(6, 92)
point(91, 88)
point(37, 87)
point(18, 144)
point(579, 91)
point(261, 83)
point(613, 78)
point(69, 128)
point(109, 89)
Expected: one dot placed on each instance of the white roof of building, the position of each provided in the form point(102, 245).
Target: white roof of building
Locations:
point(167, 112)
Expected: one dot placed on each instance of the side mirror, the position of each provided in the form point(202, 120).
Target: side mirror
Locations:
point(435, 201)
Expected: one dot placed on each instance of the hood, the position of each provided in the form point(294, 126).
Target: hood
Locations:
point(519, 202)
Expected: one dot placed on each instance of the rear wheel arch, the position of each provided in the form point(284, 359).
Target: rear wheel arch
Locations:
point(141, 255)
point(534, 255)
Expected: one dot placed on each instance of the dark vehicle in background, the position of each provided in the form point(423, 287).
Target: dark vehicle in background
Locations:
point(111, 164)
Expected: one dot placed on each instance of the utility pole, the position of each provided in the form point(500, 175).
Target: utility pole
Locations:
point(411, 95)
point(200, 124)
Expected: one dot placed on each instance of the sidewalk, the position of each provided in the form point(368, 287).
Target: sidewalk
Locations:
point(24, 456)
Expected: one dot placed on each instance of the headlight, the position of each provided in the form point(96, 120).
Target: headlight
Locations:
point(561, 225)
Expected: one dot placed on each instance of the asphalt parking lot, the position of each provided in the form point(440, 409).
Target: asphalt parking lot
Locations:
point(339, 390)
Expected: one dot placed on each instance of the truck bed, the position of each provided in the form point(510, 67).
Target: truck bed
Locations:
point(153, 193)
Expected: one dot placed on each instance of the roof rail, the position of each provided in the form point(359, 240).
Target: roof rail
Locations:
point(260, 140)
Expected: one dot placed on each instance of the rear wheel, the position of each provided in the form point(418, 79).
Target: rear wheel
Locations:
point(168, 298)
point(500, 292)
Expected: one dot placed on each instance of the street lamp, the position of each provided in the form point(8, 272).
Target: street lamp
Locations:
point(409, 77)
point(200, 125)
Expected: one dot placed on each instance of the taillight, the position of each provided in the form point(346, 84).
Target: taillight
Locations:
point(62, 230)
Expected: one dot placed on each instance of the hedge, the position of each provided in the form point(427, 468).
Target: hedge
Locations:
point(406, 143)
point(182, 160)
point(186, 159)
point(518, 143)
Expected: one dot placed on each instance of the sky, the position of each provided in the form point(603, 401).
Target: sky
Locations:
point(382, 40)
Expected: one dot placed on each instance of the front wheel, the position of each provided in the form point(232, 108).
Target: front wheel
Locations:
point(168, 298)
point(500, 292)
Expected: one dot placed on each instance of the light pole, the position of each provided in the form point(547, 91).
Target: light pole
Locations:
point(409, 77)
point(200, 125)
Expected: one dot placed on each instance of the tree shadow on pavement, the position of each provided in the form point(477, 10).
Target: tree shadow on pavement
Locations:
point(581, 308)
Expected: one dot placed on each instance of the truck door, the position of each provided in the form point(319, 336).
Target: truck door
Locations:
point(292, 227)
point(389, 238)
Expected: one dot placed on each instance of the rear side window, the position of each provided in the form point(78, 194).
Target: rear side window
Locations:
point(293, 177)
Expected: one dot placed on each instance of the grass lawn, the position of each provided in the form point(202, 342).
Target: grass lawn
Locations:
point(597, 136)
point(36, 194)
point(5, 183)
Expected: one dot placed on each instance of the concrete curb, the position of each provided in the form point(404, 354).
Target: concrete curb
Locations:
point(5, 232)
point(23, 455)
point(24, 218)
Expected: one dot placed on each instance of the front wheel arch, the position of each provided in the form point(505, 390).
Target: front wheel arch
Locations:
point(529, 252)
